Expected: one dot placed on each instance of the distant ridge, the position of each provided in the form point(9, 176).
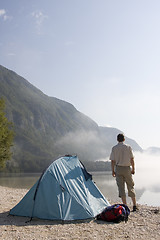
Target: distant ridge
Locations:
point(47, 127)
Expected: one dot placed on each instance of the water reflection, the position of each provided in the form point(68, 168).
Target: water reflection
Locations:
point(146, 179)
point(104, 181)
point(18, 180)
point(107, 185)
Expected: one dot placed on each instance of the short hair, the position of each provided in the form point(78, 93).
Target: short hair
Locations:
point(120, 137)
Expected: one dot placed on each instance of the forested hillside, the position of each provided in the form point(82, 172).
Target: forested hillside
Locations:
point(47, 127)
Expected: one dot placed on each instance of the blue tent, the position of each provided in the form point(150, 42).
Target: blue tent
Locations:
point(65, 191)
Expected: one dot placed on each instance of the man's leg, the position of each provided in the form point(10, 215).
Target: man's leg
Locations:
point(121, 184)
point(130, 186)
point(134, 201)
point(124, 200)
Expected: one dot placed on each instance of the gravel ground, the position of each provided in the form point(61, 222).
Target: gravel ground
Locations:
point(143, 224)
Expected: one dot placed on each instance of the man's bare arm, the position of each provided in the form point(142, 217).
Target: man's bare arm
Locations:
point(133, 166)
point(113, 166)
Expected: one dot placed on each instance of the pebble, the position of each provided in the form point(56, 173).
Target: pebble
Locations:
point(143, 224)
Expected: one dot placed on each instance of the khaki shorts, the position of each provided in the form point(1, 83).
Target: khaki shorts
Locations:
point(124, 175)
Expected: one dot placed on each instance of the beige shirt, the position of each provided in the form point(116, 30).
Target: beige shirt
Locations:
point(122, 154)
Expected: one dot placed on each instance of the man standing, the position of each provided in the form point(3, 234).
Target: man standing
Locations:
point(121, 159)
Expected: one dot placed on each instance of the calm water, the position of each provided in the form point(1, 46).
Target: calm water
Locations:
point(146, 193)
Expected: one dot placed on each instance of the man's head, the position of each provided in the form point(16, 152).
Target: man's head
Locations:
point(120, 137)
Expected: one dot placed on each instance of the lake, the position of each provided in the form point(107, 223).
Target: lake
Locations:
point(147, 181)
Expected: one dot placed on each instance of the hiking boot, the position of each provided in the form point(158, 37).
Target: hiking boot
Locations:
point(135, 208)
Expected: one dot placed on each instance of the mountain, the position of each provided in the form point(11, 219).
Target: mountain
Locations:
point(47, 127)
point(110, 134)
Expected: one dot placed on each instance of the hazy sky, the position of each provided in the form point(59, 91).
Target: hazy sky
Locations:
point(103, 56)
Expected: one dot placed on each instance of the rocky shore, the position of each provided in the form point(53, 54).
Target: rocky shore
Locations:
point(143, 224)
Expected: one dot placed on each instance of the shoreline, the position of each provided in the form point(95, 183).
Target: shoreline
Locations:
point(143, 224)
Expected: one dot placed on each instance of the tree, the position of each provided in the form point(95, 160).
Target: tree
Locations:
point(6, 136)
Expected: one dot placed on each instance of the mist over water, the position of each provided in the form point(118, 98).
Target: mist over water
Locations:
point(147, 177)
point(147, 164)
point(147, 170)
point(83, 143)
point(147, 180)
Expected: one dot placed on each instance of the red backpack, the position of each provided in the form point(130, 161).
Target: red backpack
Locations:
point(115, 213)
